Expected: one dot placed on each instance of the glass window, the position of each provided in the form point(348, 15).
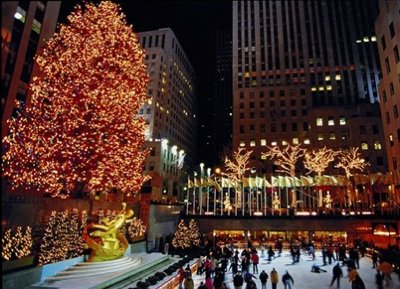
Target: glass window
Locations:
point(387, 65)
point(332, 136)
point(377, 145)
point(320, 136)
point(342, 120)
point(274, 143)
point(331, 121)
point(396, 54)
point(320, 121)
point(364, 146)
point(284, 143)
point(391, 29)
point(295, 140)
point(20, 14)
point(252, 143)
point(383, 41)
point(395, 111)
point(306, 141)
point(391, 141)
point(263, 142)
point(242, 143)
point(363, 129)
point(391, 88)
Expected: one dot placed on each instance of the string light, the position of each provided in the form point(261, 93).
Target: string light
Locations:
point(318, 160)
point(285, 158)
point(181, 237)
point(136, 228)
point(81, 126)
point(350, 160)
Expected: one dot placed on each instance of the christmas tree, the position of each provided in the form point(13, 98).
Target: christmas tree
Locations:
point(181, 238)
point(47, 244)
point(75, 241)
point(194, 234)
point(6, 245)
point(81, 127)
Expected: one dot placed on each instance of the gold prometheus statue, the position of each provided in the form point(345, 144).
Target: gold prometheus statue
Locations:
point(105, 239)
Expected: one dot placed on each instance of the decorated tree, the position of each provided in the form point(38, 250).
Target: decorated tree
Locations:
point(350, 160)
point(47, 249)
point(74, 235)
point(6, 245)
point(235, 170)
point(317, 161)
point(136, 228)
point(181, 238)
point(81, 127)
point(194, 234)
point(22, 242)
point(286, 158)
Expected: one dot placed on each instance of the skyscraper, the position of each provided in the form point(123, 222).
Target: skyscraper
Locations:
point(301, 76)
point(387, 27)
point(170, 113)
point(25, 26)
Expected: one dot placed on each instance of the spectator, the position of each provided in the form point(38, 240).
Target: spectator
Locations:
point(238, 281)
point(287, 280)
point(274, 278)
point(263, 278)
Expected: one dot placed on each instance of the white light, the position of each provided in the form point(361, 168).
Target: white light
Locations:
point(257, 213)
point(18, 15)
point(201, 165)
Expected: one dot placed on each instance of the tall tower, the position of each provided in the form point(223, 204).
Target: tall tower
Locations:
point(170, 113)
point(387, 27)
point(25, 26)
point(301, 76)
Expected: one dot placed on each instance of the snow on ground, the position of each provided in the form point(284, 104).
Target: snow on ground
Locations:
point(302, 275)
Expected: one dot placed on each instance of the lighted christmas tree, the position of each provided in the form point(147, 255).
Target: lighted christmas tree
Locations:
point(81, 126)
point(75, 241)
point(194, 234)
point(181, 238)
point(22, 243)
point(6, 245)
point(47, 245)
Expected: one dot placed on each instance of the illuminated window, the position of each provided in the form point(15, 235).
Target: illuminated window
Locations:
point(377, 145)
point(364, 146)
point(366, 39)
point(329, 87)
point(306, 141)
point(373, 38)
point(338, 77)
point(342, 120)
point(320, 136)
point(295, 140)
point(321, 88)
point(274, 143)
point(263, 157)
point(252, 143)
point(284, 143)
point(263, 142)
point(20, 14)
point(36, 26)
point(331, 121)
point(358, 41)
point(327, 77)
point(242, 144)
point(320, 121)
point(332, 136)
point(391, 140)
point(313, 89)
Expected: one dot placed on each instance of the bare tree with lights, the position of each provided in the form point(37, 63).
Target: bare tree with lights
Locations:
point(235, 170)
point(81, 127)
point(286, 158)
point(351, 160)
point(317, 161)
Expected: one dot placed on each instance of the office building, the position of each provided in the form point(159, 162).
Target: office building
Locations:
point(170, 113)
point(300, 75)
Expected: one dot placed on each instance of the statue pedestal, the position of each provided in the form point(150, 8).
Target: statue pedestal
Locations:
point(91, 275)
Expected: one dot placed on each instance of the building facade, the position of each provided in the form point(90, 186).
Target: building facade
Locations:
point(300, 76)
point(25, 26)
point(170, 113)
point(387, 27)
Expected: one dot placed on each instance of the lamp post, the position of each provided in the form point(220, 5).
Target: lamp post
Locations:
point(194, 193)
point(217, 171)
point(201, 187)
point(208, 189)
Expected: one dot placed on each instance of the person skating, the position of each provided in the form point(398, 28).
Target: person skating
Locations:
point(263, 278)
point(274, 278)
point(287, 280)
point(238, 281)
point(337, 274)
point(255, 260)
point(379, 279)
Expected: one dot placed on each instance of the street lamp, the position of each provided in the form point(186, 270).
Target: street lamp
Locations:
point(194, 192)
point(201, 187)
point(208, 189)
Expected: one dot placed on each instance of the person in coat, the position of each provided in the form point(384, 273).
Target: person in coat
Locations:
point(337, 274)
point(274, 278)
point(263, 278)
point(188, 283)
point(238, 281)
point(287, 280)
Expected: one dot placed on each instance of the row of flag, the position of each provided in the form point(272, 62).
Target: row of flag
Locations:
point(287, 181)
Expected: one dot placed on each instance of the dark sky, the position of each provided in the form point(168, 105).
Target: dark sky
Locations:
point(193, 22)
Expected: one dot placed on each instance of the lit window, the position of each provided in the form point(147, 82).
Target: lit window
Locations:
point(338, 77)
point(263, 157)
point(263, 142)
point(342, 120)
point(320, 121)
point(20, 14)
point(329, 87)
point(242, 144)
point(252, 143)
point(331, 121)
point(377, 145)
point(284, 143)
point(332, 136)
point(321, 88)
point(313, 89)
point(366, 39)
point(373, 38)
point(343, 137)
point(274, 143)
point(327, 77)
point(306, 141)
point(320, 136)
point(295, 140)
point(364, 146)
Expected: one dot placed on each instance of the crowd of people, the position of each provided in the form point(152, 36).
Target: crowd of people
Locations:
point(243, 266)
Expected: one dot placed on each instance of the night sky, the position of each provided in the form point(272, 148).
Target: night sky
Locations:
point(193, 22)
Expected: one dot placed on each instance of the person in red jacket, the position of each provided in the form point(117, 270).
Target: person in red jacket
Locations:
point(255, 259)
point(181, 276)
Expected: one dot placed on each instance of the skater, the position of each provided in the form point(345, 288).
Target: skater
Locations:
point(238, 281)
point(379, 279)
point(263, 278)
point(255, 260)
point(274, 278)
point(270, 253)
point(337, 274)
point(287, 280)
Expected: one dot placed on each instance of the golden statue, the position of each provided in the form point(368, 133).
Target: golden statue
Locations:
point(328, 201)
point(276, 204)
point(105, 239)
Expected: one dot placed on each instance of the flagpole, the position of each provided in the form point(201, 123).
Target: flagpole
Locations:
point(265, 195)
point(194, 193)
point(236, 201)
point(208, 189)
point(187, 197)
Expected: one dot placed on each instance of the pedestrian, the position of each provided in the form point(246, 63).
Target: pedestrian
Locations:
point(209, 282)
point(188, 283)
point(374, 259)
point(355, 279)
point(287, 280)
point(379, 279)
point(234, 266)
point(337, 274)
point(274, 278)
point(218, 279)
point(270, 253)
point(255, 259)
point(238, 281)
point(250, 284)
point(181, 276)
point(263, 278)
point(188, 271)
